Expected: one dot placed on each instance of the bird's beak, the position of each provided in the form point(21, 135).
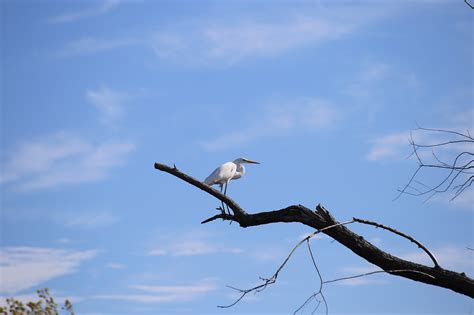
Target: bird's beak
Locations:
point(252, 162)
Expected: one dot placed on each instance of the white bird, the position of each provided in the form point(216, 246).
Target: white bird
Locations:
point(226, 172)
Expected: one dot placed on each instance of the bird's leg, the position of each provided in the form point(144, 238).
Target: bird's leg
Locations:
point(225, 191)
point(222, 203)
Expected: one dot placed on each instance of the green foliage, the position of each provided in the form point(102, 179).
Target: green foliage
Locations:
point(44, 306)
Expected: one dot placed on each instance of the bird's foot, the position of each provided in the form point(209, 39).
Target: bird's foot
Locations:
point(221, 210)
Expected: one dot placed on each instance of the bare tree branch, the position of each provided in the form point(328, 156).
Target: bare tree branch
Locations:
point(322, 220)
point(273, 278)
point(401, 234)
point(467, 136)
point(456, 172)
point(470, 5)
point(372, 273)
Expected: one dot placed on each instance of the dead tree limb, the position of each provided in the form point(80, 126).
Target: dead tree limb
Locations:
point(268, 281)
point(456, 170)
point(321, 219)
point(470, 5)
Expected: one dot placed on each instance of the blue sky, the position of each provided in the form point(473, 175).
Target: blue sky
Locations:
point(323, 94)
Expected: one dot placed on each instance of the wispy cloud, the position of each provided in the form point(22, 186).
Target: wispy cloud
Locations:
point(364, 83)
point(393, 145)
point(62, 158)
point(453, 257)
point(115, 266)
point(164, 293)
point(278, 120)
point(91, 45)
point(396, 145)
point(88, 220)
point(364, 88)
point(269, 254)
point(319, 236)
point(64, 240)
point(463, 201)
point(104, 7)
point(25, 267)
point(35, 157)
point(190, 244)
point(108, 102)
point(225, 43)
point(233, 42)
point(463, 119)
point(229, 41)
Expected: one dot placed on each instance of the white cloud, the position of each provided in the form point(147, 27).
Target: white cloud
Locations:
point(62, 158)
point(377, 241)
point(190, 244)
point(394, 145)
point(164, 294)
point(192, 247)
point(105, 6)
point(25, 267)
point(269, 254)
point(319, 236)
point(278, 120)
point(157, 252)
point(254, 39)
point(397, 147)
point(88, 220)
point(115, 266)
point(464, 201)
point(91, 45)
point(368, 78)
point(230, 42)
point(36, 156)
point(454, 257)
point(226, 41)
point(108, 102)
point(463, 120)
point(64, 240)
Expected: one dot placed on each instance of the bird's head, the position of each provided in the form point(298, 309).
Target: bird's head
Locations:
point(244, 160)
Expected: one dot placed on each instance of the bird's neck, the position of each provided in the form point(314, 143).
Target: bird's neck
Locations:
point(240, 169)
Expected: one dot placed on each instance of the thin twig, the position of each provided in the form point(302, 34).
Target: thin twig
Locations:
point(454, 169)
point(408, 237)
point(447, 131)
point(378, 271)
point(273, 278)
point(470, 5)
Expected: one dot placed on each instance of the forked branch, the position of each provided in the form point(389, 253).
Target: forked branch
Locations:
point(324, 222)
point(456, 168)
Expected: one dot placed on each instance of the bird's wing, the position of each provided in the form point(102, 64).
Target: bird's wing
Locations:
point(222, 174)
point(214, 177)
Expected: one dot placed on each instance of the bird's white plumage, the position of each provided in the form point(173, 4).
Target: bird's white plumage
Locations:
point(227, 172)
point(222, 174)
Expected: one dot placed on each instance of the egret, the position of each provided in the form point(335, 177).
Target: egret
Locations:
point(226, 172)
